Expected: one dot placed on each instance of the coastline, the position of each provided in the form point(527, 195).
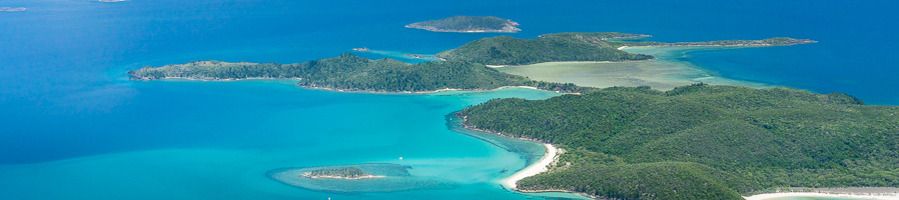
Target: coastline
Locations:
point(776, 196)
point(353, 90)
point(878, 193)
point(424, 91)
point(506, 29)
point(549, 158)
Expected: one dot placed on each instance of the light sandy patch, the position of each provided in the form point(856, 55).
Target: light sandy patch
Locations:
point(536, 168)
point(773, 196)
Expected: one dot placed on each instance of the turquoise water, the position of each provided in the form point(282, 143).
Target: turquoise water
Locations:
point(385, 177)
point(239, 131)
point(73, 127)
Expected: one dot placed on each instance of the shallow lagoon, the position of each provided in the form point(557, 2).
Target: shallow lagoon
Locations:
point(245, 129)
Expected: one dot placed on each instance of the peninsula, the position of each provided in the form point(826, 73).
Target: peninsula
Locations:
point(701, 141)
point(468, 24)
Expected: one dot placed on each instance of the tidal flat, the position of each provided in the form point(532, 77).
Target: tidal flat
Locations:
point(666, 71)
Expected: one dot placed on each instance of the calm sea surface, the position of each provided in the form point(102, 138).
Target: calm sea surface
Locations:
point(73, 127)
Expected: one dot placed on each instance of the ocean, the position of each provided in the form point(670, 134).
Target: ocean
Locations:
point(72, 126)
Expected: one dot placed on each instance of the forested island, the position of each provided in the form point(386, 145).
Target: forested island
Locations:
point(468, 24)
point(504, 50)
point(338, 173)
point(701, 141)
point(579, 46)
point(461, 68)
point(349, 72)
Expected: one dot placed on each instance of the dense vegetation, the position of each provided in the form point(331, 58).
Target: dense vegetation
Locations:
point(468, 24)
point(464, 68)
point(504, 50)
point(702, 142)
point(579, 46)
point(351, 72)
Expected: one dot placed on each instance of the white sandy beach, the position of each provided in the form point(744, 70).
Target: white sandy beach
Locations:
point(536, 168)
point(772, 196)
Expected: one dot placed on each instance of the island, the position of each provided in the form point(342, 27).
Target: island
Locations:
point(504, 50)
point(468, 24)
point(351, 173)
point(462, 68)
point(691, 142)
point(580, 46)
point(350, 72)
point(13, 9)
point(356, 178)
point(700, 141)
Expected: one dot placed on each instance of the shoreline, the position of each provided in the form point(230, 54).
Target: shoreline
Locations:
point(506, 29)
point(349, 90)
point(774, 196)
point(549, 158)
point(879, 193)
point(426, 91)
point(552, 154)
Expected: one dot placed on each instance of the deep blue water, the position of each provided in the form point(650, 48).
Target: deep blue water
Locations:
point(68, 111)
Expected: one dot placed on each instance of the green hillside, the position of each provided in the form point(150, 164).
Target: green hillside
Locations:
point(351, 72)
point(504, 50)
point(702, 142)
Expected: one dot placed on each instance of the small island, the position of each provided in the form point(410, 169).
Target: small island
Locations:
point(13, 9)
point(350, 173)
point(468, 24)
point(369, 177)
